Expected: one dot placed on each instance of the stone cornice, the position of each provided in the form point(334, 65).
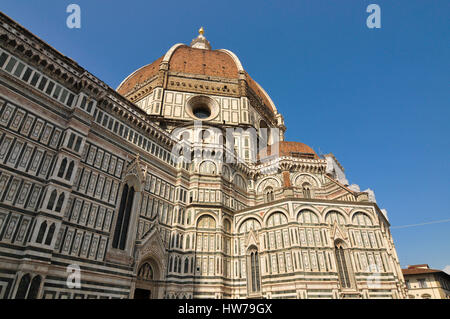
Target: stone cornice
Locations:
point(309, 200)
point(292, 164)
point(57, 66)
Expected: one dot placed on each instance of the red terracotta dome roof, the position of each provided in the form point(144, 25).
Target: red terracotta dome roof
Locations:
point(192, 60)
point(139, 76)
point(206, 62)
point(293, 149)
point(187, 60)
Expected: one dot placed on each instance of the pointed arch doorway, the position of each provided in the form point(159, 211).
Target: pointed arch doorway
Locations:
point(147, 282)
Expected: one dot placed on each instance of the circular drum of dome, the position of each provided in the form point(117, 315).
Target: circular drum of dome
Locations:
point(201, 107)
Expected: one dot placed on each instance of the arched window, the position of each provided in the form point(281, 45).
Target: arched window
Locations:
point(307, 217)
point(276, 219)
point(34, 288)
point(227, 225)
point(186, 265)
point(333, 217)
point(179, 265)
point(206, 222)
point(145, 272)
point(361, 219)
point(175, 264)
point(23, 287)
point(174, 216)
point(268, 194)
point(207, 167)
point(188, 220)
point(188, 242)
point(69, 171)
point(180, 216)
point(41, 232)
point(51, 200)
point(123, 217)
point(240, 182)
point(172, 241)
point(170, 263)
point(60, 202)
point(306, 190)
point(71, 140)
point(342, 264)
point(27, 290)
point(226, 173)
point(249, 224)
point(253, 278)
point(51, 231)
point(78, 144)
point(62, 167)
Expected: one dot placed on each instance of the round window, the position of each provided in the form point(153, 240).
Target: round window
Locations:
point(201, 111)
point(202, 107)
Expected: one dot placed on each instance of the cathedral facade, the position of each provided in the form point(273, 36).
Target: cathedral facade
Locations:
point(178, 184)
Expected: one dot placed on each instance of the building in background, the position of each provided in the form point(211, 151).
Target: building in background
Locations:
point(89, 179)
point(423, 282)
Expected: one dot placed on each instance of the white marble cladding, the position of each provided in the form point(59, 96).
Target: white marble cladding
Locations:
point(31, 76)
point(232, 110)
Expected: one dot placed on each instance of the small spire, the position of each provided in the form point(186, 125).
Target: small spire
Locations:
point(200, 41)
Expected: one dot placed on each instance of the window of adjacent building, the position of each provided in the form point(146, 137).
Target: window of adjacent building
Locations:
point(3, 58)
point(422, 283)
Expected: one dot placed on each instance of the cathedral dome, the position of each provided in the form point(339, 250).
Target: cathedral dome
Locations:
point(293, 149)
point(196, 59)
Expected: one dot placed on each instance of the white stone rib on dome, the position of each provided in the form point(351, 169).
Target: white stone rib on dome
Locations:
point(166, 58)
point(169, 53)
point(275, 111)
point(234, 57)
point(236, 60)
point(117, 89)
point(240, 68)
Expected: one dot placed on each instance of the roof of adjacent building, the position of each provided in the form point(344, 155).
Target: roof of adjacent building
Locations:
point(421, 270)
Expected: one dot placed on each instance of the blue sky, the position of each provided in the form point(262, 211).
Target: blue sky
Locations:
point(376, 98)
